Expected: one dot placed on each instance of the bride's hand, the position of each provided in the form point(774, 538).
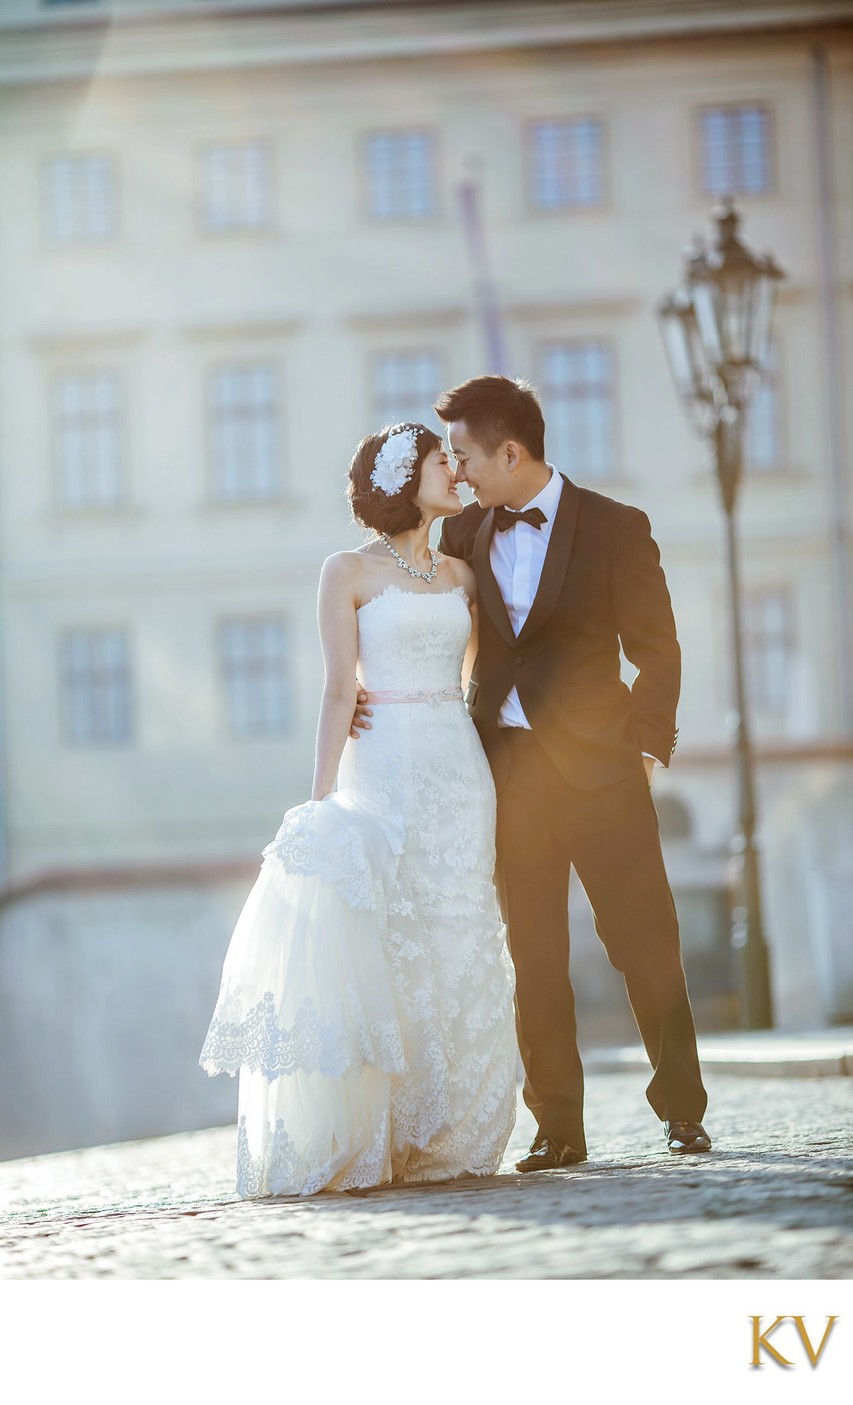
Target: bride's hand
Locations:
point(359, 717)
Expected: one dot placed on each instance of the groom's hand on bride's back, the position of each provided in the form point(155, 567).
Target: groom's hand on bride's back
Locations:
point(361, 714)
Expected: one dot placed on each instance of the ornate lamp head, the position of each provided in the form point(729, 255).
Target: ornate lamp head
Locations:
point(733, 292)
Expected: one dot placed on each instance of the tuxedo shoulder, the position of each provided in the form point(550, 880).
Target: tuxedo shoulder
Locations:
point(616, 512)
point(600, 502)
point(470, 517)
point(459, 531)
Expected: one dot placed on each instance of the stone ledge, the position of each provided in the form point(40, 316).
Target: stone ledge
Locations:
point(759, 1053)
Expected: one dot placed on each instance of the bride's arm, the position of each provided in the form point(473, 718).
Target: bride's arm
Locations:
point(468, 581)
point(471, 651)
point(337, 621)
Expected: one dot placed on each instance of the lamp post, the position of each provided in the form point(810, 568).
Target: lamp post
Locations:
point(716, 330)
point(485, 291)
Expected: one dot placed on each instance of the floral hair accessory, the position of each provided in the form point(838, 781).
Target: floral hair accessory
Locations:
point(395, 461)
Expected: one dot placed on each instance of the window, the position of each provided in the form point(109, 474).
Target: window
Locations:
point(235, 187)
point(80, 198)
point(95, 686)
point(255, 655)
point(762, 437)
point(86, 439)
point(401, 175)
point(406, 385)
point(245, 436)
point(735, 150)
point(577, 383)
point(566, 164)
point(768, 648)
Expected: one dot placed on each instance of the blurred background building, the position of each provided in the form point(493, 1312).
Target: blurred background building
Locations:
point(234, 238)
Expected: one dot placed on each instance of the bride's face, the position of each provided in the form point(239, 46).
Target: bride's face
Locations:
point(437, 495)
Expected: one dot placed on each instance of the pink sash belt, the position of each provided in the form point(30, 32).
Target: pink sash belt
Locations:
point(414, 695)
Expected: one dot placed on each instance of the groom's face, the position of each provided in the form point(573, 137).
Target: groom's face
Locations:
point(487, 475)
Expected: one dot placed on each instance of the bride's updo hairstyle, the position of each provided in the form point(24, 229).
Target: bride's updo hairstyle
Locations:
point(375, 509)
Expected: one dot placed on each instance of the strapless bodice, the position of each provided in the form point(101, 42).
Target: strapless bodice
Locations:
point(412, 640)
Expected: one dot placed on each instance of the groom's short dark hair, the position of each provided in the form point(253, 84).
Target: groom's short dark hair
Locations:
point(495, 409)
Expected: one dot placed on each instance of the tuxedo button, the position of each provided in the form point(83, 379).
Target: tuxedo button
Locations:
point(519, 658)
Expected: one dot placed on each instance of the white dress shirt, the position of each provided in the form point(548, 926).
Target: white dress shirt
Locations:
point(517, 557)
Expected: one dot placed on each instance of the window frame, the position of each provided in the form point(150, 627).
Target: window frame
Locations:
point(615, 473)
point(779, 467)
point(278, 490)
point(756, 697)
point(437, 213)
point(59, 504)
point(231, 230)
point(67, 740)
point(699, 110)
point(573, 208)
point(379, 353)
point(49, 239)
point(229, 729)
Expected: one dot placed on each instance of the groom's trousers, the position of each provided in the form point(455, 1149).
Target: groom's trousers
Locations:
point(610, 836)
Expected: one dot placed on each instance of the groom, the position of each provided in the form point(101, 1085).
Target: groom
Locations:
point(565, 575)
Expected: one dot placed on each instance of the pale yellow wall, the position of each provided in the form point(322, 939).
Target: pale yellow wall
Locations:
point(318, 294)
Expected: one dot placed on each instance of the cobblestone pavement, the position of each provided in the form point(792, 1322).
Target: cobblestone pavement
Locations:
point(773, 1200)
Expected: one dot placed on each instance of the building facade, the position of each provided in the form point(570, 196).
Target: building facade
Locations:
point(233, 240)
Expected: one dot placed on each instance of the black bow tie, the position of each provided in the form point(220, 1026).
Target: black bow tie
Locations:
point(506, 518)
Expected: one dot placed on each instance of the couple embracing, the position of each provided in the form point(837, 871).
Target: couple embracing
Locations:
point(368, 999)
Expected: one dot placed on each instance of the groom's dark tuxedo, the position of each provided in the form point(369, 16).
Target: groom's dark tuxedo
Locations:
point(601, 582)
point(572, 789)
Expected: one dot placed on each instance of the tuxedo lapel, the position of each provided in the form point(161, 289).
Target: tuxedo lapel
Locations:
point(556, 559)
point(490, 593)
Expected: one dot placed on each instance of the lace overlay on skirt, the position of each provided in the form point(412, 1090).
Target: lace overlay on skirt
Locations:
point(366, 1000)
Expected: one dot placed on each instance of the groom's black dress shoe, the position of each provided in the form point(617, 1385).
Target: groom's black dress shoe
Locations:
point(684, 1137)
point(547, 1155)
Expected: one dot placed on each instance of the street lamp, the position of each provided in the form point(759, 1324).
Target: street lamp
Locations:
point(716, 330)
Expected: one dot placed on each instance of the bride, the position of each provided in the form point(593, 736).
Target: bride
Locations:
point(367, 992)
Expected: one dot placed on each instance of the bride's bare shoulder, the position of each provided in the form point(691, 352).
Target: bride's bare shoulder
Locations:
point(351, 574)
point(346, 564)
point(342, 570)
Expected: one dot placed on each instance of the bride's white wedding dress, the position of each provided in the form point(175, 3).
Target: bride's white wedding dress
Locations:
point(367, 992)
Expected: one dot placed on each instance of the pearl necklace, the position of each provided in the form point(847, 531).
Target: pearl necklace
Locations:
point(404, 565)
